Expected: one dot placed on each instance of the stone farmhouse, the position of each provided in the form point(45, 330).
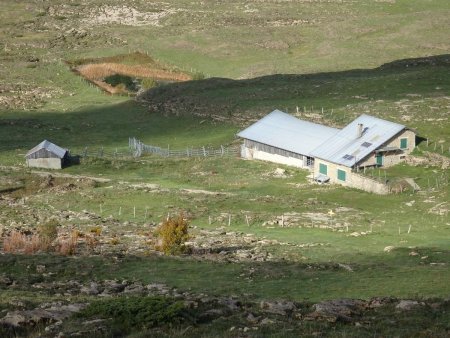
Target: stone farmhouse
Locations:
point(332, 155)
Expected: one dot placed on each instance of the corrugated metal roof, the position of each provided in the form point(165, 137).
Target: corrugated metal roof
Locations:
point(47, 145)
point(287, 132)
point(346, 148)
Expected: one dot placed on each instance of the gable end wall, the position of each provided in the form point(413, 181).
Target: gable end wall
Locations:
point(393, 158)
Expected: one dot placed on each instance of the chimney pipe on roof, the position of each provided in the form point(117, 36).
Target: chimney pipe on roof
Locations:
point(360, 130)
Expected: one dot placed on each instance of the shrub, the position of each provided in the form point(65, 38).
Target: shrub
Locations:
point(49, 230)
point(135, 312)
point(148, 83)
point(172, 234)
point(119, 80)
point(198, 76)
point(96, 230)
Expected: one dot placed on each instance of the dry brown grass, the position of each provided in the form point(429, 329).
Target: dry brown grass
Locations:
point(68, 246)
point(95, 72)
point(17, 242)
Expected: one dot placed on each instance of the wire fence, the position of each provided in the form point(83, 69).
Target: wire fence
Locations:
point(101, 152)
point(138, 149)
point(399, 184)
point(436, 146)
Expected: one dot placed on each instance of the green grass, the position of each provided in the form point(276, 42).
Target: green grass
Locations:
point(345, 57)
point(395, 274)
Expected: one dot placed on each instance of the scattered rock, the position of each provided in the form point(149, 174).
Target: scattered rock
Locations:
point(345, 267)
point(380, 301)
point(40, 268)
point(134, 288)
point(278, 307)
point(38, 315)
point(251, 318)
point(112, 287)
point(91, 290)
point(406, 305)
point(5, 281)
point(211, 314)
point(267, 321)
point(389, 248)
point(337, 310)
point(231, 304)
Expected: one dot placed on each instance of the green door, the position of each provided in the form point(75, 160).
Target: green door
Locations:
point(379, 158)
point(323, 169)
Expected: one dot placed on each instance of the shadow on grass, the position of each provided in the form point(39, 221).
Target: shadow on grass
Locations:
point(180, 109)
point(10, 190)
point(219, 96)
point(396, 273)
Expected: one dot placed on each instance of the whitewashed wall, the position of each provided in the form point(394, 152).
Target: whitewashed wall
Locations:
point(253, 154)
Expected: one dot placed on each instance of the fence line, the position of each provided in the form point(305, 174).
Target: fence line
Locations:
point(101, 153)
point(138, 148)
point(281, 219)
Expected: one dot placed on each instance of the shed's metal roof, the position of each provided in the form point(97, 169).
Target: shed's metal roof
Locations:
point(287, 132)
point(346, 148)
point(51, 147)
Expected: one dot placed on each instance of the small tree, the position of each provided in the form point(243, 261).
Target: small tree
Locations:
point(172, 234)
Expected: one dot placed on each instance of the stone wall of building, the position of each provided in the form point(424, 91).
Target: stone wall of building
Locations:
point(352, 179)
point(392, 158)
point(48, 163)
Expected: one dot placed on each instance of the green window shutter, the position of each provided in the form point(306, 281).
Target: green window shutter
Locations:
point(323, 168)
point(379, 158)
point(403, 143)
point(341, 175)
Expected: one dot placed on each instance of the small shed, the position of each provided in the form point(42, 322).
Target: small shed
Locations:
point(47, 155)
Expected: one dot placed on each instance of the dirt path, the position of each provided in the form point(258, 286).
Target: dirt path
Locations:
point(106, 180)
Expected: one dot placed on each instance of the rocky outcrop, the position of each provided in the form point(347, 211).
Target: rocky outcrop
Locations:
point(51, 314)
point(345, 310)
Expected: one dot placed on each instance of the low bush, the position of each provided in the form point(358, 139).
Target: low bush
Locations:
point(148, 83)
point(172, 234)
point(198, 76)
point(125, 81)
point(49, 230)
point(136, 313)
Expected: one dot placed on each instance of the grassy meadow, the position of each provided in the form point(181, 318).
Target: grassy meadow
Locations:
point(326, 62)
